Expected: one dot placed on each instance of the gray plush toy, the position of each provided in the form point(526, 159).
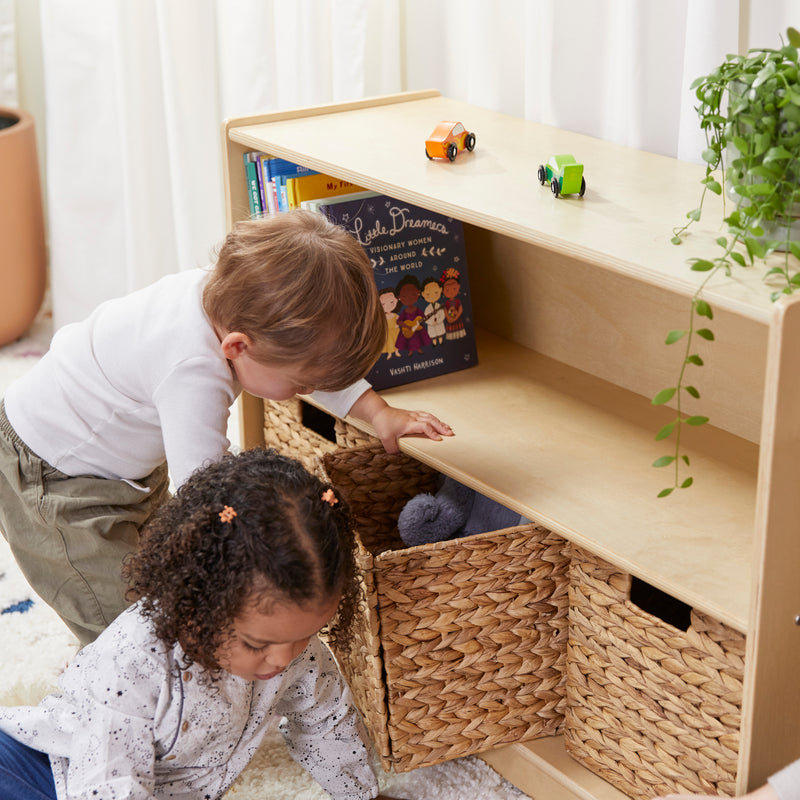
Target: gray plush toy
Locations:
point(455, 510)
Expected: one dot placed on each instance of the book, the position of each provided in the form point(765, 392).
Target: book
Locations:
point(315, 203)
point(316, 186)
point(420, 267)
point(275, 172)
point(253, 190)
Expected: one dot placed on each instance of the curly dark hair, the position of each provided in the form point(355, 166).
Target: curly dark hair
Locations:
point(194, 572)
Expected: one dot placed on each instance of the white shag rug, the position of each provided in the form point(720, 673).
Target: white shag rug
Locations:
point(37, 646)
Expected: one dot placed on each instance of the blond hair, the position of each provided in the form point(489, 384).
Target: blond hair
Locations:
point(302, 289)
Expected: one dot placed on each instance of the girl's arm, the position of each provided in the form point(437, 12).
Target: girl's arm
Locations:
point(391, 423)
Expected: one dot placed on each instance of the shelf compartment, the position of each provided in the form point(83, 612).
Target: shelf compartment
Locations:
point(624, 222)
point(582, 450)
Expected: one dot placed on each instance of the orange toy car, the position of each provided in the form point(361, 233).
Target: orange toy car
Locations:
point(448, 139)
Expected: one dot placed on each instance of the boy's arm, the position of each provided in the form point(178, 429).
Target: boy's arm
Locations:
point(390, 423)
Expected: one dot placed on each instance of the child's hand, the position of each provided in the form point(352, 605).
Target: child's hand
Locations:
point(391, 423)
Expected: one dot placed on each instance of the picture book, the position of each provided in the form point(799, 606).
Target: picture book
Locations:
point(315, 203)
point(253, 187)
point(275, 172)
point(420, 268)
point(308, 187)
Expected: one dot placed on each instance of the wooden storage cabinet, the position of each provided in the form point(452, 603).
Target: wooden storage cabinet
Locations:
point(573, 299)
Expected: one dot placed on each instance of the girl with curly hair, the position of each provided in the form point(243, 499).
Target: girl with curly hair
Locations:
point(235, 576)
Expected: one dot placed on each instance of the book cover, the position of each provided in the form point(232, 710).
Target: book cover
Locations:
point(318, 185)
point(420, 267)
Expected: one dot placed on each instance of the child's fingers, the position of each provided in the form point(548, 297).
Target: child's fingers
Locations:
point(430, 425)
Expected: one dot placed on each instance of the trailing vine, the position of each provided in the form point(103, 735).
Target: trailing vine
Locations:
point(749, 110)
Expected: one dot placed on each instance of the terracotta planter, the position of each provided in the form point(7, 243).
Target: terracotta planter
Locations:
point(23, 260)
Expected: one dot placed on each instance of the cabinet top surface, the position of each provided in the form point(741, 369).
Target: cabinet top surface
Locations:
point(623, 223)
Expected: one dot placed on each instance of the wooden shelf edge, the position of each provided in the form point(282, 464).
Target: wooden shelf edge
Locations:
point(542, 768)
point(326, 108)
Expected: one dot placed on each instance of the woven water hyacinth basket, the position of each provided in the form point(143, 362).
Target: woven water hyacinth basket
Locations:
point(461, 644)
point(298, 429)
point(651, 708)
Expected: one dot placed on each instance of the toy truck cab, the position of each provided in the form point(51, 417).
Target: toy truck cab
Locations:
point(564, 174)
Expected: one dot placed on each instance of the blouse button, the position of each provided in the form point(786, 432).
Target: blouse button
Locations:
point(170, 758)
point(185, 726)
point(187, 676)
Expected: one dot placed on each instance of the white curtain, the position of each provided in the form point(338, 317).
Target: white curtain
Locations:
point(136, 91)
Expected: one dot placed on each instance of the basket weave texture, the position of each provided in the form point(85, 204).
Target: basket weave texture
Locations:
point(285, 431)
point(461, 644)
point(650, 708)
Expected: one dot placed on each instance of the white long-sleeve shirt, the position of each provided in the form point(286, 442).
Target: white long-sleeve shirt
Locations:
point(787, 782)
point(131, 724)
point(141, 380)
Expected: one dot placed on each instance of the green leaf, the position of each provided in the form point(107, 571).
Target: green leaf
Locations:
point(706, 334)
point(694, 214)
point(777, 154)
point(702, 265)
point(685, 459)
point(742, 145)
point(676, 240)
point(664, 461)
point(665, 431)
point(694, 359)
point(697, 420)
point(687, 483)
point(739, 259)
point(756, 189)
point(793, 35)
point(664, 396)
point(693, 392)
point(710, 156)
point(674, 336)
point(703, 309)
point(666, 492)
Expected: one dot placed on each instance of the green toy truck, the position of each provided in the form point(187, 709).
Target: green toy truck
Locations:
point(565, 175)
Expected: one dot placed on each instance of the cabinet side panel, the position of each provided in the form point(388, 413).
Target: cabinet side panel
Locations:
point(770, 729)
point(613, 327)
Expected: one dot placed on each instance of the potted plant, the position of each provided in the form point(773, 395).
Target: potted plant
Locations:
point(749, 110)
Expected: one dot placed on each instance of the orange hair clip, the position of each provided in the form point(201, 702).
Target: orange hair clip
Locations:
point(329, 497)
point(227, 514)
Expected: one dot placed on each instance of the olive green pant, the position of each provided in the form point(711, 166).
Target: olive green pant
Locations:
point(69, 535)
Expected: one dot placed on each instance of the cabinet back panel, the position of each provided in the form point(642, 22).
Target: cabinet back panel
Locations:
point(613, 327)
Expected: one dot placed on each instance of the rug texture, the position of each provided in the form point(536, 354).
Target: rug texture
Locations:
point(37, 646)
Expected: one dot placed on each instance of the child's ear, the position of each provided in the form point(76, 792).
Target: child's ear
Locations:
point(235, 344)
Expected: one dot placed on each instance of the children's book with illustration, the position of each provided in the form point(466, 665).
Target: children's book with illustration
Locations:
point(420, 266)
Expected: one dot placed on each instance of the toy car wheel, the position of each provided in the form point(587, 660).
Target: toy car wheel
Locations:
point(554, 187)
point(469, 142)
point(542, 174)
point(452, 152)
point(428, 155)
point(582, 192)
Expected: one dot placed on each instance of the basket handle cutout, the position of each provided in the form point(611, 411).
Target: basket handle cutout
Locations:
point(317, 420)
point(660, 604)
